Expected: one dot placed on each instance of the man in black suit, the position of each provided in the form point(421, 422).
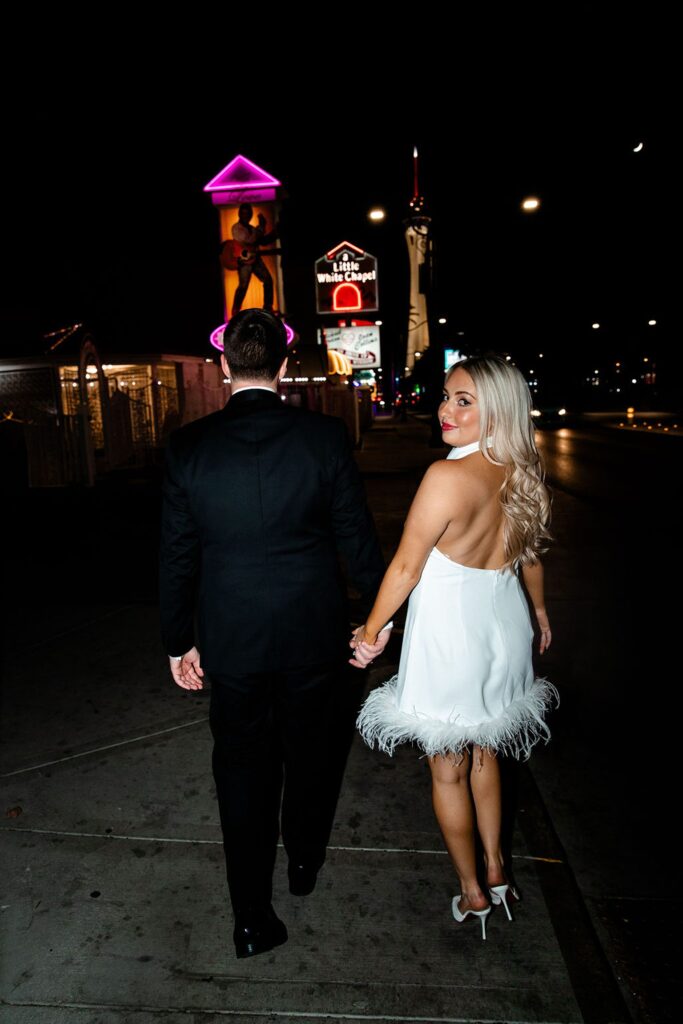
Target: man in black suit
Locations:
point(258, 500)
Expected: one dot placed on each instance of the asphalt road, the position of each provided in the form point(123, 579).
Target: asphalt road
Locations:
point(617, 520)
point(614, 466)
point(610, 780)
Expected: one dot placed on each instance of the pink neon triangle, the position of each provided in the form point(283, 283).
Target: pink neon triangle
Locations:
point(240, 173)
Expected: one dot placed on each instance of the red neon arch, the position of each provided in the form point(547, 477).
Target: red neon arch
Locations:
point(343, 245)
point(346, 297)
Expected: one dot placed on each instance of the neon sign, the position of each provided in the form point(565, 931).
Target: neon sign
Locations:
point(241, 173)
point(242, 181)
point(346, 280)
point(346, 298)
point(216, 337)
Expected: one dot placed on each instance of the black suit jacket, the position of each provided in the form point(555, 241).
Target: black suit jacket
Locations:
point(258, 500)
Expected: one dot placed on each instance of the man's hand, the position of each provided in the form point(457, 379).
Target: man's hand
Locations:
point(188, 672)
point(365, 653)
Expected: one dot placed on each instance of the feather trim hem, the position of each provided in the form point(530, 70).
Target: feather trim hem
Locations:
point(515, 732)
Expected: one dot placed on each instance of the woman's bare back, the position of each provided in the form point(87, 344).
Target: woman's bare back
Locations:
point(474, 535)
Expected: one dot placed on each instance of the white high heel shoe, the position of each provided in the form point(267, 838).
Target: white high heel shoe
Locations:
point(499, 894)
point(460, 917)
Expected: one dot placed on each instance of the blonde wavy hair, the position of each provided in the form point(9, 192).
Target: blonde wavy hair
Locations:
point(505, 417)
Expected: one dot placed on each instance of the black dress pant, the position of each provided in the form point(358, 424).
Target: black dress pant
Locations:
point(280, 743)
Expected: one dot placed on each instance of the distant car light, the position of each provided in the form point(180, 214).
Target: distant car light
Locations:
point(535, 412)
point(561, 412)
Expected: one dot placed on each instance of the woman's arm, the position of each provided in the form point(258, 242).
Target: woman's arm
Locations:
point(429, 515)
point(533, 581)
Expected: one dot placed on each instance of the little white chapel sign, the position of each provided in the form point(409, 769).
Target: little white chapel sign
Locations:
point(346, 280)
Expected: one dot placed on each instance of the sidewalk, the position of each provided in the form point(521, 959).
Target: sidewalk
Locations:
point(114, 906)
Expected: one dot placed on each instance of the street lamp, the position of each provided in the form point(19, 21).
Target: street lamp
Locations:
point(531, 204)
point(376, 214)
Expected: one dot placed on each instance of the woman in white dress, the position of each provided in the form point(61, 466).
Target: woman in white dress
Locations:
point(466, 690)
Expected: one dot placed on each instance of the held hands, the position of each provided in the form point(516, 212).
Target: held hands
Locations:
point(188, 672)
point(544, 626)
point(364, 652)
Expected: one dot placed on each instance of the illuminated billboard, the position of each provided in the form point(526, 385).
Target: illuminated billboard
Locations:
point(346, 280)
point(451, 357)
point(360, 344)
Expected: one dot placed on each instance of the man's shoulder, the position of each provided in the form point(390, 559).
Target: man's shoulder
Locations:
point(192, 433)
point(320, 424)
point(314, 426)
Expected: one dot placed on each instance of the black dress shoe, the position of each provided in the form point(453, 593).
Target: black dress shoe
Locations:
point(257, 932)
point(302, 879)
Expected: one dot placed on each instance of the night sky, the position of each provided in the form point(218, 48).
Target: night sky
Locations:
point(107, 223)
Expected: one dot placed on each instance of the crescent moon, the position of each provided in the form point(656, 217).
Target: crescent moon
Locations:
point(638, 148)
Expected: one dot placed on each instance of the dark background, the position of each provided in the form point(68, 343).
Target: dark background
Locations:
point(115, 130)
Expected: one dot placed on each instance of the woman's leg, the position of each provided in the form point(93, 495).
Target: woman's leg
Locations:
point(485, 784)
point(454, 811)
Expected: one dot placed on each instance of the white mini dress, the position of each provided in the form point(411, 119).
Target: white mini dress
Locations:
point(465, 675)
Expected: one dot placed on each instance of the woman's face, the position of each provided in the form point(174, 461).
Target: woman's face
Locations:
point(459, 410)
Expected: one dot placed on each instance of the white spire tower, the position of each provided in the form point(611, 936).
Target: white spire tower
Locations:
point(419, 247)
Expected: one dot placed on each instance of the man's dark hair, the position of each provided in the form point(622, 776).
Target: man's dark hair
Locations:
point(255, 344)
